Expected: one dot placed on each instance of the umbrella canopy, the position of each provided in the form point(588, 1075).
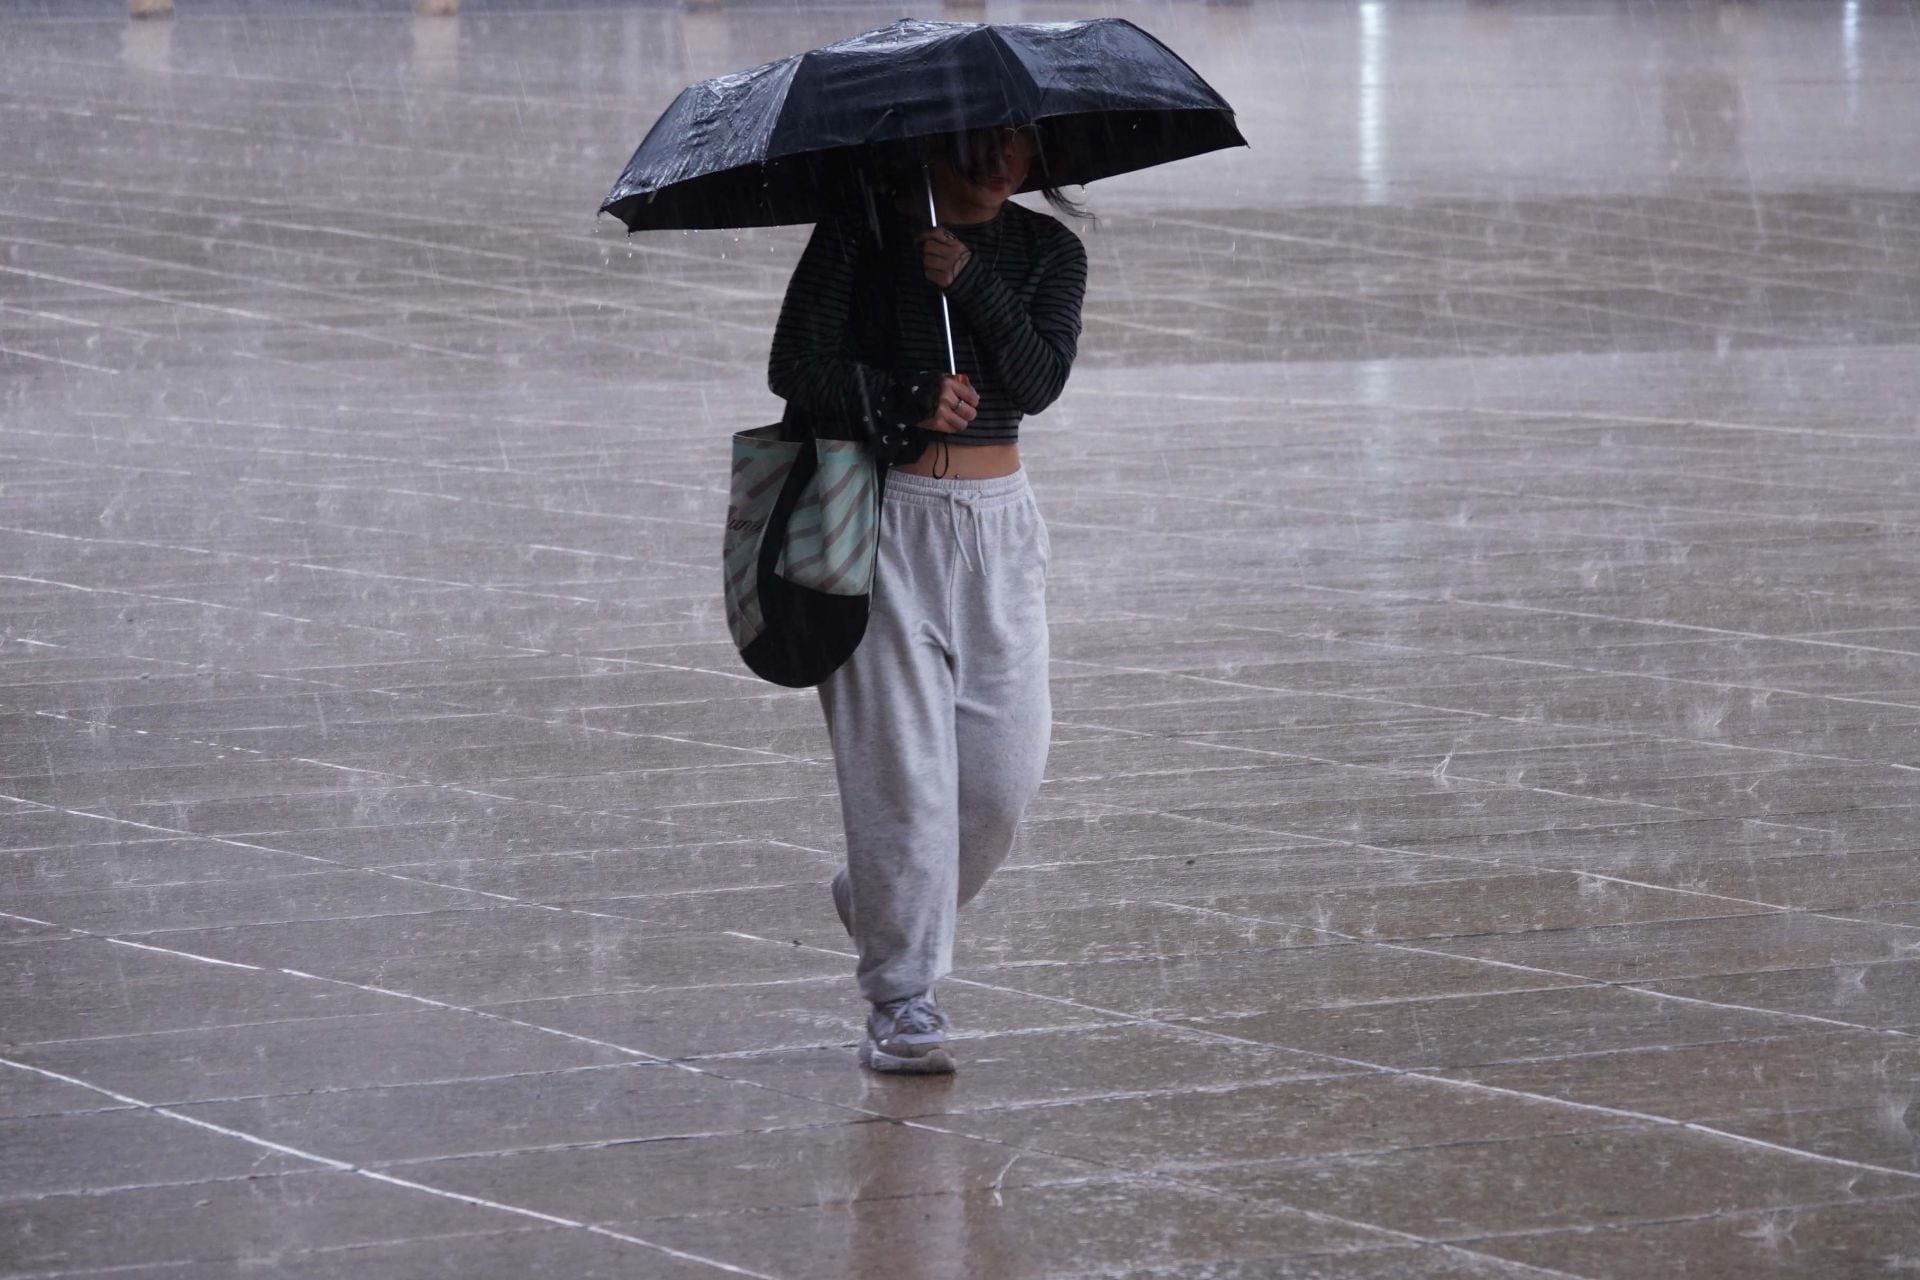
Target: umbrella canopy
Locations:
point(784, 142)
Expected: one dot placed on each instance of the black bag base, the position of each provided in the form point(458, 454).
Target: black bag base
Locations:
point(816, 633)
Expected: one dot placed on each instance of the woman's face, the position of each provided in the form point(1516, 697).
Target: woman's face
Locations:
point(994, 162)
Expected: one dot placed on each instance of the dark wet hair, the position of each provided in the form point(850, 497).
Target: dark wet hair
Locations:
point(1072, 208)
point(898, 168)
point(1064, 204)
point(1043, 144)
point(1053, 194)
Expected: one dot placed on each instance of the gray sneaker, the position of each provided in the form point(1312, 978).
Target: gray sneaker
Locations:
point(907, 1035)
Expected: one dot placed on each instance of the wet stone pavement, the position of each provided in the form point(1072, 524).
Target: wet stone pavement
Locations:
point(1482, 833)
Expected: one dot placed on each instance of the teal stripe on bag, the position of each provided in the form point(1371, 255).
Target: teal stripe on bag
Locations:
point(831, 533)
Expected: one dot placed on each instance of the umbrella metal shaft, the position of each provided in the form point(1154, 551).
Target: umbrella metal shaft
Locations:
point(946, 317)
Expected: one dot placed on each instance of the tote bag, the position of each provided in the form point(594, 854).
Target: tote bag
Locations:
point(803, 532)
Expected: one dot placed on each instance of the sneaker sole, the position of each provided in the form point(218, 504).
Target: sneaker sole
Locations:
point(933, 1062)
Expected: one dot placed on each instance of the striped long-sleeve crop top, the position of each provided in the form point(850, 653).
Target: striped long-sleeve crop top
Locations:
point(1016, 323)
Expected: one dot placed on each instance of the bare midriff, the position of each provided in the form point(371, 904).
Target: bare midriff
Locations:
point(965, 461)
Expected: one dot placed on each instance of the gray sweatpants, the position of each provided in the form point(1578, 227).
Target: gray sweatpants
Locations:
point(940, 720)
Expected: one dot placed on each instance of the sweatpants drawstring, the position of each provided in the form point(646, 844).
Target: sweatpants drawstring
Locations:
point(954, 503)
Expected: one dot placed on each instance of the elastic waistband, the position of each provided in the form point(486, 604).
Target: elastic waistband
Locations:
point(907, 486)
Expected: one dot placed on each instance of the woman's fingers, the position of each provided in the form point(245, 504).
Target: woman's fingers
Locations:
point(941, 253)
point(956, 405)
point(956, 391)
point(960, 404)
point(950, 418)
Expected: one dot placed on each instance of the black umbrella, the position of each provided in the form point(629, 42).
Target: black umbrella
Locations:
point(788, 141)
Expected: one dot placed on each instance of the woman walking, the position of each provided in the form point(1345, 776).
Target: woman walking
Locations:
point(940, 720)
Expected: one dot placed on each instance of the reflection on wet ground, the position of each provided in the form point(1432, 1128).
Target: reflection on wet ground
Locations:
point(1479, 836)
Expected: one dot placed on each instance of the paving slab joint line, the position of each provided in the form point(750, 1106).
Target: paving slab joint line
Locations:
point(872, 1116)
point(464, 708)
point(1639, 735)
point(395, 309)
point(1703, 1129)
point(506, 900)
point(343, 1166)
point(1581, 981)
point(1079, 720)
point(1508, 1266)
point(1769, 908)
point(289, 1256)
point(644, 1058)
point(1116, 1014)
point(1387, 1069)
point(1126, 1174)
point(1587, 1055)
point(608, 1144)
point(1663, 1121)
point(328, 1090)
point(1460, 1243)
point(480, 1013)
point(1594, 1228)
point(1557, 611)
point(360, 986)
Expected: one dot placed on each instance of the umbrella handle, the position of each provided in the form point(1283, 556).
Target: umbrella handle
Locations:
point(946, 317)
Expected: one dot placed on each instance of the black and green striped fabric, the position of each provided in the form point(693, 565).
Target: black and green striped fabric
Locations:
point(1016, 323)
